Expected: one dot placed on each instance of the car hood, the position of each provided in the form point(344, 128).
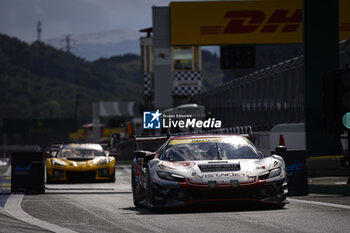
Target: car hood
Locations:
point(79, 162)
point(242, 170)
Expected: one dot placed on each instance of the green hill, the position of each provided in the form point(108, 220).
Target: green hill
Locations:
point(39, 81)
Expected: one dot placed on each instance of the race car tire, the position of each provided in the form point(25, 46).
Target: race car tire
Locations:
point(277, 206)
point(132, 178)
point(48, 181)
point(112, 180)
point(150, 197)
point(136, 204)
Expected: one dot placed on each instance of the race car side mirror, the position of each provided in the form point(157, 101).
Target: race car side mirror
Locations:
point(148, 157)
point(141, 153)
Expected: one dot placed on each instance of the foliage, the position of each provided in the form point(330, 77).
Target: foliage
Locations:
point(39, 81)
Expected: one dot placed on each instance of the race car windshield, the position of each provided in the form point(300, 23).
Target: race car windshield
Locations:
point(210, 151)
point(79, 153)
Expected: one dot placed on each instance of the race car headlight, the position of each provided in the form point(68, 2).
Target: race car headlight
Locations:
point(104, 162)
point(275, 172)
point(270, 174)
point(170, 176)
point(53, 162)
point(264, 175)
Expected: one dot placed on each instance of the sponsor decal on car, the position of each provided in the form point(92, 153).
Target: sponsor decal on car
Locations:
point(234, 183)
point(188, 141)
point(216, 175)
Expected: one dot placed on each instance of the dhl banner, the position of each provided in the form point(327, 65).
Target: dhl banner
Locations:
point(244, 22)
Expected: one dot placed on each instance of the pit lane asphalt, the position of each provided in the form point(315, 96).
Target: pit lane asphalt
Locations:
point(108, 207)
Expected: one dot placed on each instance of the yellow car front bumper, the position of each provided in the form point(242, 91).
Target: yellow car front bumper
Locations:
point(56, 173)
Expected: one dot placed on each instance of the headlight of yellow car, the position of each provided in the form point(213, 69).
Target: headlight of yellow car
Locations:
point(53, 162)
point(107, 160)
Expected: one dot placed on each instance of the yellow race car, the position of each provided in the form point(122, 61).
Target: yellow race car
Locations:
point(80, 162)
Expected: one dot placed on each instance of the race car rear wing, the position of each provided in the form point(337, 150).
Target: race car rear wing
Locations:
point(149, 143)
point(149, 139)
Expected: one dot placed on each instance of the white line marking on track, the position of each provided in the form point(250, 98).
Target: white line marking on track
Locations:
point(8, 171)
point(320, 203)
point(13, 207)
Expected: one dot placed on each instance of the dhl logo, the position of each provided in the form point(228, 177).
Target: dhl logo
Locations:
point(248, 21)
point(255, 20)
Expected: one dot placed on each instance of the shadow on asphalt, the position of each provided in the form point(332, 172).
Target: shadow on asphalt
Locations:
point(81, 182)
point(343, 190)
point(207, 208)
point(62, 191)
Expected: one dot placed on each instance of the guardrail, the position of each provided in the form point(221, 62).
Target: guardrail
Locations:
point(264, 98)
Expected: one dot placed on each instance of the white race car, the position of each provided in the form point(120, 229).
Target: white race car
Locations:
point(207, 168)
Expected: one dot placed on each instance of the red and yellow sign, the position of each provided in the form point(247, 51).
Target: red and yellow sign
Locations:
point(243, 22)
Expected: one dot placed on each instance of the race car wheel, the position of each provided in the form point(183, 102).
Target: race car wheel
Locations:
point(277, 206)
point(136, 204)
point(112, 180)
point(48, 181)
point(150, 197)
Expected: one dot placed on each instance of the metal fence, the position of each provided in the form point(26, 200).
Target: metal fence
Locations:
point(264, 98)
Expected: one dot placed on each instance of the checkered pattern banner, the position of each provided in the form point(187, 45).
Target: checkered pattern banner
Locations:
point(186, 91)
point(186, 83)
point(147, 84)
point(187, 76)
